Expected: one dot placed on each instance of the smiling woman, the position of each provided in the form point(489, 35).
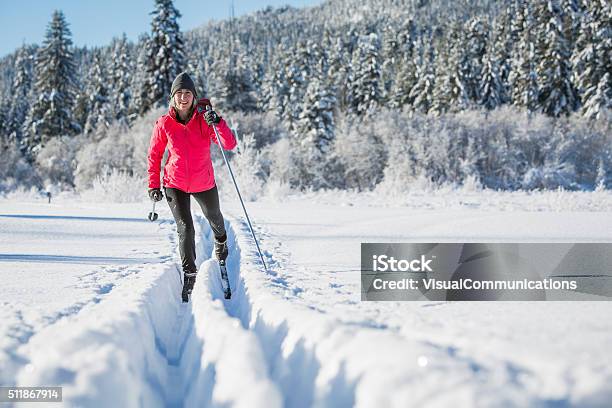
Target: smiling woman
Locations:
point(189, 171)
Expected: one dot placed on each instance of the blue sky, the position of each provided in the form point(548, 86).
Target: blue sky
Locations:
point(96, 22)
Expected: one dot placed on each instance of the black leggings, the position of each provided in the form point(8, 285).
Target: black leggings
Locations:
point(180, 205)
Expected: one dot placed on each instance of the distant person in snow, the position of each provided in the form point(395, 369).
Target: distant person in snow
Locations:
point(186, 130)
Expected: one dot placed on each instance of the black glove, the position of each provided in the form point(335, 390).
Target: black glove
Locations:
point(155, 194)
point(212, 117)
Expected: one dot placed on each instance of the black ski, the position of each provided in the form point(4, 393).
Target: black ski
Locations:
point(227, 291)
point(188, 282)
point(185, 295)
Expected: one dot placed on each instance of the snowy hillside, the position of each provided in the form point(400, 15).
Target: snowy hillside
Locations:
point(348, 94)
point(91, 302)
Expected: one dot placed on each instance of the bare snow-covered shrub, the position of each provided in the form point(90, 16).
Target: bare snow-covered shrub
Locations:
point(22, 194)
point(15, 171)
point(277, 190)
point(471, 184)
point(278, 161)
point(115, 151)
point(139, 135)
point(119, 148)
point(56, 161)
point(265, 127)
point(247, 169)
point(501, 149)
point(117, 187)
point(359, 149)
point(401, 168)
point(589, 150)
point(500, 162)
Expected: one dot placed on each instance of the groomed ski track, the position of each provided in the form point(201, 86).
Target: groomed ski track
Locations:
point(257, 349)
point(262, 348)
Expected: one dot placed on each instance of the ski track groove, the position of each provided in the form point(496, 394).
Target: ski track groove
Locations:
point(191, 375)
point(294, 386)
point(295, 372)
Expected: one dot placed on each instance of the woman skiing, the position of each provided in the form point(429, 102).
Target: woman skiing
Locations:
point(186, 130)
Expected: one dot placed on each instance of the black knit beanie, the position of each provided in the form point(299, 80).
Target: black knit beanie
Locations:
point(182, 81)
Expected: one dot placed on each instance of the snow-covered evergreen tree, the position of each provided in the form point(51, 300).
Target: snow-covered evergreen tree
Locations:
point(391, 57)
point(517, 13)
point(491, 86)
point(406, 71)
point(315, 127)
point(297, 75)
point(138, 85)
point(592, 59)
point(236, 91)
point(199, 78)
point(19, 105)
point(82, 104)
point(504, 38)
point(601, 99)
point(120, 74)
point(557, 94)
point(267, 91)
point(165, 55)
point(314, 132)
point(449, 91)
point(51, 115)
point(571, 10)
point(5, 141)
point(101, 112)
point(365, 88)
point(422, 92)
point(523, 76)
point(275, 89)
point(405, 81)
point(472, 49)
point(216, 71)
point(339, 71)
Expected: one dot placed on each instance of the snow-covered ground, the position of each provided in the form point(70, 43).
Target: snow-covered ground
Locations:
point(91, 301)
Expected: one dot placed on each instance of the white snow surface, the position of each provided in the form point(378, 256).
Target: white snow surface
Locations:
point(90, 301)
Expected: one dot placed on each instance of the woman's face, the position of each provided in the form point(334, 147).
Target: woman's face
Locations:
point(183, 100)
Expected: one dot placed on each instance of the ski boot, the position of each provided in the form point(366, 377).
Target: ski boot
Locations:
point(221, 248)
point(188, 282)
point(221, 252)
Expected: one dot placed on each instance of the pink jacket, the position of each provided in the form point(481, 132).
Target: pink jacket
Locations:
point(189, 167)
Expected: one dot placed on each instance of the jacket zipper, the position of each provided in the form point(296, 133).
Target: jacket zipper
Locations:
point(188, 158)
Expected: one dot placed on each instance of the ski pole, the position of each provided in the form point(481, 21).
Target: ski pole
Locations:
point(208, 107)
point(153, 214)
